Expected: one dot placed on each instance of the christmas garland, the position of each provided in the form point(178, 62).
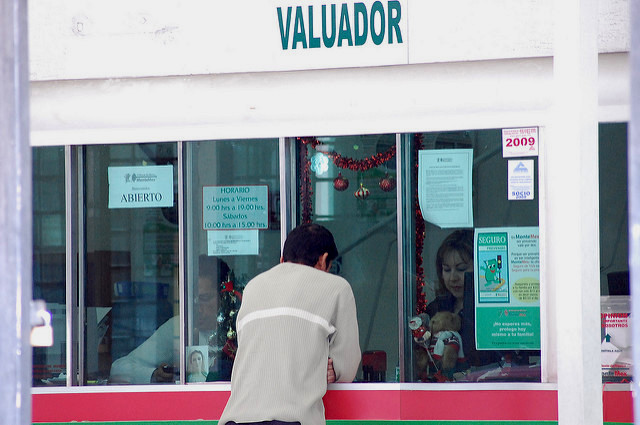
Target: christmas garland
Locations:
point(341, 162)
point(305, 185)
point(351, 163)
point(365, 164)
point(421, 301)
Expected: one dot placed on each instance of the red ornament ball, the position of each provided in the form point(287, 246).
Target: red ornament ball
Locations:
point(340, 183)
point(362, 193)
point(387, 183)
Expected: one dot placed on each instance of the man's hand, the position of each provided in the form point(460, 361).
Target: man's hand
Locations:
point(331, 374)
point(163, 373)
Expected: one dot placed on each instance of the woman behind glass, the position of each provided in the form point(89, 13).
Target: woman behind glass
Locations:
point(453, 259)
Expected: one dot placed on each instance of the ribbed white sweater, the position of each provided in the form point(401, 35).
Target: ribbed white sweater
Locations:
point(292, 319)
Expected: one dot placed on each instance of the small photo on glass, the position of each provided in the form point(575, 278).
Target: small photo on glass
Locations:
point(197, 363)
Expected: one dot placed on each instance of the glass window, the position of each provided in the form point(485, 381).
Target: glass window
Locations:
point(233, 234)
point(131, 274)
point(473, 272)
point(348, 184)
point(49, 363)
point(231, 203)
point(614, 253)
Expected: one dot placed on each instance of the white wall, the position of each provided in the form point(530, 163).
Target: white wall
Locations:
point(428, 97)
point(80, 39)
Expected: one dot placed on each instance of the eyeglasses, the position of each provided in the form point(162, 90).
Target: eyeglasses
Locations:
point(205, 298)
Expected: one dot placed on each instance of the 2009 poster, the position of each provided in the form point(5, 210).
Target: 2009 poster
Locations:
point(507, 288)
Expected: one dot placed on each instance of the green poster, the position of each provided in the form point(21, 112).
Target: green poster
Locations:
point(507, 288)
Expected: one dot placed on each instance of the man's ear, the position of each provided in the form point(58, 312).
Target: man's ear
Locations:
point(281, 260)
point(322, 263)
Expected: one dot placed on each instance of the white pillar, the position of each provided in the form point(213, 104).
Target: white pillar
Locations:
point(572, 239)
point(15, 216)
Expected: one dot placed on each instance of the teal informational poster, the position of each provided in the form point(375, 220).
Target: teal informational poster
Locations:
point(507, 288)
point(235, 207)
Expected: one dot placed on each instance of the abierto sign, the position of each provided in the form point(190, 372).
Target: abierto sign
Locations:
point(141, 186)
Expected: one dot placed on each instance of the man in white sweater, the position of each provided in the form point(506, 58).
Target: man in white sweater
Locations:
point(297, 331)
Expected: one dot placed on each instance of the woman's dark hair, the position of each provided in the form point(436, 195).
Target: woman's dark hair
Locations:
point(460, 241)
point(307, 242)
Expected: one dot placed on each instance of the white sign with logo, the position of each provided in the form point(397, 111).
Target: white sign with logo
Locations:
point(520, 180)
point(520, 142)
point(235, 207)
point(141, 186)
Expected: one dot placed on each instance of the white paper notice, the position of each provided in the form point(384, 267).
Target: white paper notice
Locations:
point(520, 180)
point(444, 187)
point(232, 242)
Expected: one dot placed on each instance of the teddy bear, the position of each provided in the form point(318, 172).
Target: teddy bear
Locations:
point(438, 348)
point(446, 344)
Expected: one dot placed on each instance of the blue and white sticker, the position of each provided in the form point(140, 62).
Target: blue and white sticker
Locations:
point(520, 180)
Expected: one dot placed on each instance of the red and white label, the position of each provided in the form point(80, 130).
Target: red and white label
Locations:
point(518, 142)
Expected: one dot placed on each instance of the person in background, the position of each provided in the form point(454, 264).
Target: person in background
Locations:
point(453, 259)
point(297, 331)
point(156, 360)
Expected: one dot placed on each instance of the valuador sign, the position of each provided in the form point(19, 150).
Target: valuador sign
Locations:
point(340, 25)
point(324, 34)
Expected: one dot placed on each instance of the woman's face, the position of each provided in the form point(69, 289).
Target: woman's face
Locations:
point(453, 269)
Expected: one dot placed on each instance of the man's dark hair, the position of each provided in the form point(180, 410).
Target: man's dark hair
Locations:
point(307, 242)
